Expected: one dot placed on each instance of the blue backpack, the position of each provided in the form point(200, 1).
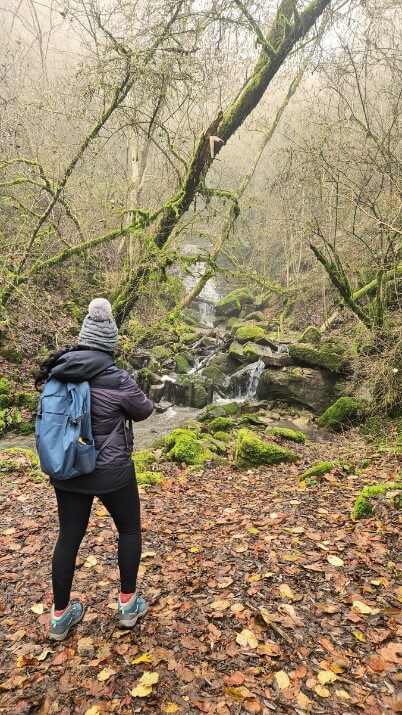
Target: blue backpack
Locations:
point(64, 440)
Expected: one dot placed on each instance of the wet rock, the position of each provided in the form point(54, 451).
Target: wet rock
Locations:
point(139, 359)
point(156, 391)
point(311, 388)
point(163, 406)
point(265, 353)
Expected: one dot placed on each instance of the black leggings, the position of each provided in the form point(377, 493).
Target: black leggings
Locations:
point(74, 511)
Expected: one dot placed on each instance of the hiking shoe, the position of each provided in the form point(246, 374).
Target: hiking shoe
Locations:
point(130, 612)
point(60, 627)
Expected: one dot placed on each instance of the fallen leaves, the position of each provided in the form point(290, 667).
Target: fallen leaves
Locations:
point(145, 685)
point(37, 608)
point(326, 676)
point(247, 639)
point(282, 679)
point(105, 674)
point(335, 561)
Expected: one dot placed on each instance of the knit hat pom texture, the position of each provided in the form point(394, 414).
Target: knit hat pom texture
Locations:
point(100, 309)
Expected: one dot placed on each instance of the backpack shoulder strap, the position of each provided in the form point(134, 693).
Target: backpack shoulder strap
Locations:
point(111, 435)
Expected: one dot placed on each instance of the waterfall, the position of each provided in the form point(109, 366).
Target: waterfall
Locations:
point(256, 369)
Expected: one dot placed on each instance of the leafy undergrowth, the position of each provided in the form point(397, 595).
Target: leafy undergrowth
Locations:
point(266, 598)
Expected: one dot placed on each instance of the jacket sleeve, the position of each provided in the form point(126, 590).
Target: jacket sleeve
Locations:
point(134, 403)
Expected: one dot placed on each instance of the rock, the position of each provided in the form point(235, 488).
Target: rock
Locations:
point(311, 388)
point(236, 352)
point(217, 377)
point(344, 413)
point(254, 352)
point(225, 362)
point(253, 451)
point(161, 352)
point(249, 332)
point(239, 381)
point(192, 390)
point(163, 406)
point(139, 359)
point(156, 391)
point(182, 364)
point(232, 303)
point(326, 355)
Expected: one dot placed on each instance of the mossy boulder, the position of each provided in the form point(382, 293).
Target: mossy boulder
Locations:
point(254, 351)
point(143, 459)
point(171, 438)
point(311, 335)
point(344, 413)
point(148, 479)
point(326, 356)
point(225, 363)
point(192, 390)
point(363, 506)
point(161, 352)
point(182, 364)
point(309, 387)
point(252, 451)
point(221, 424)
point(248, 418)
point(236, 352)
point(216, 376)
point(249, 332)
point(189, 450)
point(318, 470)
point(224, 409)
point(285, 433)
point(232, 303)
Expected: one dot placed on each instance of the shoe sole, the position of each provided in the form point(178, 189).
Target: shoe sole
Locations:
point(62, 636)
point(130, 621)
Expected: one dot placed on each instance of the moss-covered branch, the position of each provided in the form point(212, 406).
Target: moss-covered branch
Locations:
point(287, 28)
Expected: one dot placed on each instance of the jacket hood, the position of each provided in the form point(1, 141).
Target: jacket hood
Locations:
point(80, 365)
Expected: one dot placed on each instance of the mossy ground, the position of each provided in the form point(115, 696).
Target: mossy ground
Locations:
point(221, 424)
point(318, 470)
point(326, 356)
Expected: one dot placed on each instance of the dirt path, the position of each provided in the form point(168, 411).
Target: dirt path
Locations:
point(251, 612)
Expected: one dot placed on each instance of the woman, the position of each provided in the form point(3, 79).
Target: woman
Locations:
point(115, 398)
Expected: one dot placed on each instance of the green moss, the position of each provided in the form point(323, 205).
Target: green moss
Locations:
point(250, 419)
point(223, 436)
point(236, 351)
point(325, 356)
point(345, 412)
point(215, 375)
point(182, 364)
point(143, 459)
point(147, 377)
point(5, 401)
point(249, 332)
point(26, 399)
point(363, 507)
point(171, 438)
point(148, 479)
point(231, 408)
point(256, 315)
point(221, 423)
point(318, 470)
point(25, 427)
point(189, 450)
point(311, 335)
point(286, 433)
point(161, 352)
point(240, 297)
point(5, 386)
point(253, 451)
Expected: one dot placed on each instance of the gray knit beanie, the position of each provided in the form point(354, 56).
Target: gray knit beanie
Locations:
point(99, 330)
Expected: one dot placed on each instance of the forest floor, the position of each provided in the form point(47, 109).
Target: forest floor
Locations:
point(266, 597)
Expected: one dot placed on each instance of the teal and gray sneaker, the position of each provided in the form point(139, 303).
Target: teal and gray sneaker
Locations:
point(60, 627)
point(130, 612)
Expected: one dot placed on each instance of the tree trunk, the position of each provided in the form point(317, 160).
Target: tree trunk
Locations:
point(287, 28)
